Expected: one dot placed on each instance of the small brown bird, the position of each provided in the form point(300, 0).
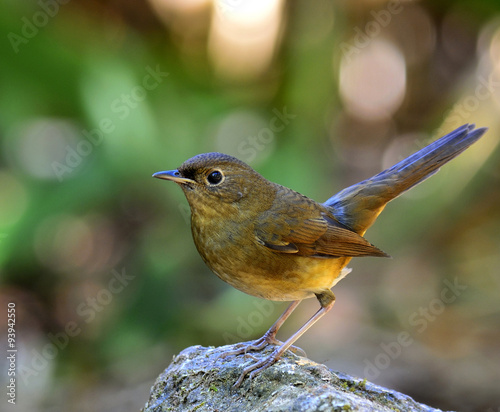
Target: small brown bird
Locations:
point(272, 242)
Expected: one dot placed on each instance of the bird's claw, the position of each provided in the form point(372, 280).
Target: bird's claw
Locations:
point(243, 348)
point(256, 368)
point(258, 345)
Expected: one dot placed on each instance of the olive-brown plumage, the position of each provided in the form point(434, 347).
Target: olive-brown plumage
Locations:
point(272, 242)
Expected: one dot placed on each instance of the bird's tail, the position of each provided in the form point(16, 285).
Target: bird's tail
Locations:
point(359, 205)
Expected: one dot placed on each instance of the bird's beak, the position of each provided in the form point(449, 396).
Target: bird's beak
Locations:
point(173, 175)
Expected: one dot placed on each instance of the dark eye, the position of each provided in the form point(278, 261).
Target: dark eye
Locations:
point(215, 177)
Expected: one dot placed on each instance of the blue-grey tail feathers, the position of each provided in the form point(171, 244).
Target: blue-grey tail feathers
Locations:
point(358, 206)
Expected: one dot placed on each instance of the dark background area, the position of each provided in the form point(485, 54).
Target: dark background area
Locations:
point(97, 256)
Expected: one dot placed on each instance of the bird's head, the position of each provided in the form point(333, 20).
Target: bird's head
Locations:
point(212, 178)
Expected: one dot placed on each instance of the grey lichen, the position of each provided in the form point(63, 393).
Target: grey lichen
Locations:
point(198, 379)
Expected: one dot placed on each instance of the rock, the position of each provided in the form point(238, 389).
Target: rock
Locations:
point(199, 380)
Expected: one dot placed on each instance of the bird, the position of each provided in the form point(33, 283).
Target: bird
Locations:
point(274, 243)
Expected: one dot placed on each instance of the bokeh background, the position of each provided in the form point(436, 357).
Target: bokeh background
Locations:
point(98, 258)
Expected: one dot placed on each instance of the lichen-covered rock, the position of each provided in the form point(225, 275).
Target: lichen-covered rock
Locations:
point(199, 380)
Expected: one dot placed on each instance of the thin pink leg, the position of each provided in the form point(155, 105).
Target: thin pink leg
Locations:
point(268, 338)
point(326, 300)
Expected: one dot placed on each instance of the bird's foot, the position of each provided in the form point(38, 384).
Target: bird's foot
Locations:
point(258, 345)
point(258, 367)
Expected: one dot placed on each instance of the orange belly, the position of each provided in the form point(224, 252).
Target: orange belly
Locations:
point(276, 276)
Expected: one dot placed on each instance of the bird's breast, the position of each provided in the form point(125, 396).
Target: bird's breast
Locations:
point(232, 252)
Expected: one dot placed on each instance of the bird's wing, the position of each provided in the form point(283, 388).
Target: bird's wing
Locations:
point(298, 225)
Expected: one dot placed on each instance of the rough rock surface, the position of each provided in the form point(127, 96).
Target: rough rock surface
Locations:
point(199, 380)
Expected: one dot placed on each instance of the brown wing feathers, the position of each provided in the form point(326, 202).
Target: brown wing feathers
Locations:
point(307, 229)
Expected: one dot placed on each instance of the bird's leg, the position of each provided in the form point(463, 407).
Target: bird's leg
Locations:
point(326, 300)
point(268, 338)
point(270, 335)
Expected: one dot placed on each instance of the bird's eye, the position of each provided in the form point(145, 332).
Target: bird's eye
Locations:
point(215, 177)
